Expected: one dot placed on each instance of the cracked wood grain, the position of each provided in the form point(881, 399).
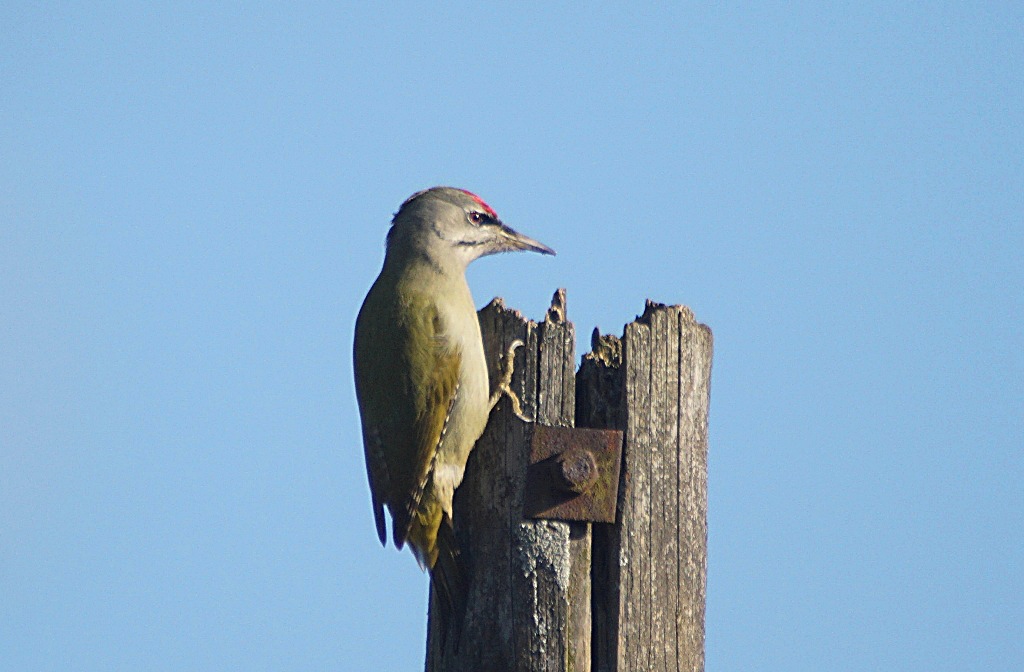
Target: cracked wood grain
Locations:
point(650, 568)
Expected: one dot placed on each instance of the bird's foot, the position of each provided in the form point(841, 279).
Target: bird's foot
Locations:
point(505, 384)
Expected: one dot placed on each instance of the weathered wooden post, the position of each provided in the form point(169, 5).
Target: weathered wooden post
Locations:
point(573, 595)
point(650, 568)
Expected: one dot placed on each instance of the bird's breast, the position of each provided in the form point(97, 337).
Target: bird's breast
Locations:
point(470, 409)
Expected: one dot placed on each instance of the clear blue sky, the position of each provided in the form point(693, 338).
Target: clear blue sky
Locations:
point(193, 202)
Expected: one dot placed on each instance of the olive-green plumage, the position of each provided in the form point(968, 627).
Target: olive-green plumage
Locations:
point(421, 377)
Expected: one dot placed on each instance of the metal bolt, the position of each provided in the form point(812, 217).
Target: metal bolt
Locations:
point(577, 471)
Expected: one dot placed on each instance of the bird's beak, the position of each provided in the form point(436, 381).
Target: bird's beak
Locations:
point(514, 240)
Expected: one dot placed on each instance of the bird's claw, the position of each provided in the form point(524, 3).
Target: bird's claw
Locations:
point(505, 383)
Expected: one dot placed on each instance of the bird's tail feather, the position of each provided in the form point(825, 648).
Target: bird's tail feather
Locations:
point(448, 581)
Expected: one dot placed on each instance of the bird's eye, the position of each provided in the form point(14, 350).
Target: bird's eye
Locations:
point(477, 217)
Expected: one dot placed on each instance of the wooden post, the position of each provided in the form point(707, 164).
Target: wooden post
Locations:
point(530, 603)
point(650, 568)
point(520, 572)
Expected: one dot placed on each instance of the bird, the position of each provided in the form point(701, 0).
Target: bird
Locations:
point(421, 376)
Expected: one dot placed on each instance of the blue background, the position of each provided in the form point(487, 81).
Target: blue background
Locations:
point(193, 202)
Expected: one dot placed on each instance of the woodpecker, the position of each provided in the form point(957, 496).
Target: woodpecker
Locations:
point(421, 377)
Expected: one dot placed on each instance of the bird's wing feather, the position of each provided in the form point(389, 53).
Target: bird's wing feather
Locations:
point(434, 377)
point(377, 371)
point(376, 471)
point(407, 376)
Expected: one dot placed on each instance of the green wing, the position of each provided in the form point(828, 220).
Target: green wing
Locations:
point(406, 382)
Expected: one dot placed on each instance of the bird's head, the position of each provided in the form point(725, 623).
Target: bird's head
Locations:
point(453, 227)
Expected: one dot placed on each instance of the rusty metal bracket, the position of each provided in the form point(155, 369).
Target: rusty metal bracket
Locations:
point(573, 474)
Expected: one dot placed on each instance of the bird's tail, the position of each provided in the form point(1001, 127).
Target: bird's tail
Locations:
point(448, 583)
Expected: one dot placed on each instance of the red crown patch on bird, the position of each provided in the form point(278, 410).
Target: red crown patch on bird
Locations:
point(488, 209)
